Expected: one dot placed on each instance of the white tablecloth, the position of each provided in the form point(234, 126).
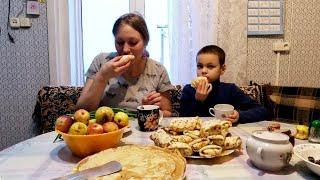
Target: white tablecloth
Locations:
point(40, 158)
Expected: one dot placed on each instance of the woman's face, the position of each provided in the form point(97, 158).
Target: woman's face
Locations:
point(129, 41)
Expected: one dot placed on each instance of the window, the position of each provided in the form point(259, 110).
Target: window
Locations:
point(178, 29)
point(98, 17)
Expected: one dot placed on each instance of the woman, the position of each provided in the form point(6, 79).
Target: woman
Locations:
point(118, 81)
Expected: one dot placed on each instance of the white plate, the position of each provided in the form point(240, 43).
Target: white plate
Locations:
point(303, 151)
point(224, 153)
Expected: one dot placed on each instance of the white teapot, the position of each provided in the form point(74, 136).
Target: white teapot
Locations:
point(269, 150)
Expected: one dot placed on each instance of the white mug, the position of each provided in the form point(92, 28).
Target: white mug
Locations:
point(221, 111)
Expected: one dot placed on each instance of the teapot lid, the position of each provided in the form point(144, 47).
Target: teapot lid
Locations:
point(271, 136)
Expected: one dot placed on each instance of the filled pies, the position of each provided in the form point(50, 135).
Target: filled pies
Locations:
point(196, 138)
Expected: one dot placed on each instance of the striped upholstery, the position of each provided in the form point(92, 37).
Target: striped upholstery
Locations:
point(298, 105)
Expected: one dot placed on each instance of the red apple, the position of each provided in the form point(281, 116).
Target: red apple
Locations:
point(82, 115)
point(95, 128)
point(110, 126)
point(63, 123)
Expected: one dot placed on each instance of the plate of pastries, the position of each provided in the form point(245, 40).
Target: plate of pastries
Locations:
point(196, 138)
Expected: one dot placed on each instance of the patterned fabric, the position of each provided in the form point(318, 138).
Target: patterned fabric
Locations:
point(175, 100)
point(298, 105)
point(53, 102)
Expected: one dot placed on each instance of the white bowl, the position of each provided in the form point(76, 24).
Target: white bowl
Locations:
point(303, 151)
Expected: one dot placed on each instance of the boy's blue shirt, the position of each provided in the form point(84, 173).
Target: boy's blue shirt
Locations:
point(222, 93)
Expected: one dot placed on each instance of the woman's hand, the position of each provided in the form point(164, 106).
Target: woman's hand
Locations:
point(203, 90)
point(152, 98)
point(115, 66)
point(233, 117)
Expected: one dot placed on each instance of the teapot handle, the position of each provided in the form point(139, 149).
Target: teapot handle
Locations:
point(260, 152)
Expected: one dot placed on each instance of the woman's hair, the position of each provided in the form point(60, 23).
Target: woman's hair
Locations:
point(212, 49)
point(134, 20)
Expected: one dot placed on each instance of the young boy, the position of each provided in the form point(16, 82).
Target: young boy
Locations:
point(196, 101)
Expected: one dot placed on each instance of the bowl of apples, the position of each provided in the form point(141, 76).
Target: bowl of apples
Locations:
point(86, 134)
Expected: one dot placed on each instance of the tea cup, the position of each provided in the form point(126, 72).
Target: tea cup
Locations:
point(148, 117)
point(221, 111)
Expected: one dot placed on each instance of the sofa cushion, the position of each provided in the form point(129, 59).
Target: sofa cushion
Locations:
point(53, 102)
point(298, 105)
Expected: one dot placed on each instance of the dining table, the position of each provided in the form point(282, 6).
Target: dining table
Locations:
point(41, 158)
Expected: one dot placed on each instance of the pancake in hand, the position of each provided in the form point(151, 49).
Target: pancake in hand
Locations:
point(210, 151)
point(195, 82)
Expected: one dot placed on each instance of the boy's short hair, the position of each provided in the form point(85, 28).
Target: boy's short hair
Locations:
point(212, 49)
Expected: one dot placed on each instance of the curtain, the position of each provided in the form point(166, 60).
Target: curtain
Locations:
point(65, 49)
point(58, 42)
point(192, 25)
point(76, 48)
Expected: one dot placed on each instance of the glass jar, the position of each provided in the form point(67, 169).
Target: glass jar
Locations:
point(314, 135)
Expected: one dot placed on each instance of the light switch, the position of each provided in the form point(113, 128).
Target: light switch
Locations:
point(280, 46)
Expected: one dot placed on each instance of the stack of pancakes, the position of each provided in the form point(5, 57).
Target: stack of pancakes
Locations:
point(138, 162)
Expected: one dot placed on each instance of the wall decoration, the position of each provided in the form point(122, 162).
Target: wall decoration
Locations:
point(265, 17)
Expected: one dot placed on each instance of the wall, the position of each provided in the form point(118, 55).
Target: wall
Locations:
point(24, 69)
point(252, 58)
point(300, 67)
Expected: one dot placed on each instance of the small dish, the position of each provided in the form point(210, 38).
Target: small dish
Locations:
point(303, 151)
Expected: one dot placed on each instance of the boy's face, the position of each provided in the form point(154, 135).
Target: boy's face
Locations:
point(208, 66)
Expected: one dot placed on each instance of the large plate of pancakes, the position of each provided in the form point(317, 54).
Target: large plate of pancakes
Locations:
point(139, 162)
point(197, 138)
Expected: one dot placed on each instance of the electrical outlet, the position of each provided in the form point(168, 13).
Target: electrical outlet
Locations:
point(281, 46)
point(14, 23)
point(25, 22)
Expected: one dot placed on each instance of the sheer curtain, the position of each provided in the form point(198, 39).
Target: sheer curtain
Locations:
point(65, 49)
point(193, 24)
point(58, 42)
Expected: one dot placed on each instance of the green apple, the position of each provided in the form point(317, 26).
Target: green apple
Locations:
point(104, 114)
point(121, 118)
point(78, 128)
point(82, 115)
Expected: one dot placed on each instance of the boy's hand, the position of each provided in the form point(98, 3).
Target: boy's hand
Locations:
point(233, 117)
point(203, 90)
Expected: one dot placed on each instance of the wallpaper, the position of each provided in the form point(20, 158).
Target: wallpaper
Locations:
point(232, 37)
point(299, 67)
point(24, 69)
